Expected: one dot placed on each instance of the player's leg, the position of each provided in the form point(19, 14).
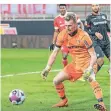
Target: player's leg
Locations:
point(67, 74)
point(106, 51)
point(97, 92)
point(100, 57)
point(59, 86)
point(65, 52)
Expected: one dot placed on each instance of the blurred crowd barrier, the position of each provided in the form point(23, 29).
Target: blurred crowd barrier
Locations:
point(31, 25)
point(45, 11)
point(25, 41)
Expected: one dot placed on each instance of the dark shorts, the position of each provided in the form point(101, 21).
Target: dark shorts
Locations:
point(101, 50)
point(106, 50)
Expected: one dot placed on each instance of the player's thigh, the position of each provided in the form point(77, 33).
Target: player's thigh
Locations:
point(73, 72)
point(99, 52)
point(60, 77)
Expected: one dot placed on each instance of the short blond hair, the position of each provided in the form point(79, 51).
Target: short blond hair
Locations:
point(71, 16)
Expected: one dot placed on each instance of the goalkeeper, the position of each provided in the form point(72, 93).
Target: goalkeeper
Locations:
point(83, 62)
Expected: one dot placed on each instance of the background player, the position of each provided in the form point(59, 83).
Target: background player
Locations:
point(59, 25)
point(83, 60)
point(96, 25)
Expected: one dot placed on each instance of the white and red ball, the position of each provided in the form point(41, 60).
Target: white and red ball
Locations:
point(16, 96)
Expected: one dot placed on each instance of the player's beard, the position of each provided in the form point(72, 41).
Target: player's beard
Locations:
point(96, 11)
point(63, 13)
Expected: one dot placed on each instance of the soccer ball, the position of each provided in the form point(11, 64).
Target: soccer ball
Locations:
point(16, 96)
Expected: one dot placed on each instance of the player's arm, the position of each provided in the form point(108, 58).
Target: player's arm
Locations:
point(50, 62)
point(56, 32)
point(87, 26)
point(93, 60)
point(53, 56)
point(93, 56)
point(99, 35)
point(88, 44)
point(89, 70)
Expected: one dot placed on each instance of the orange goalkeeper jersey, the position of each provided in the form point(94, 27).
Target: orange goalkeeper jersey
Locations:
point(78, 45)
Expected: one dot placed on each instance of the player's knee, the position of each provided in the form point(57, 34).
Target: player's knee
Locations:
point(91, 78)
point(55, 81)
point(100, 61)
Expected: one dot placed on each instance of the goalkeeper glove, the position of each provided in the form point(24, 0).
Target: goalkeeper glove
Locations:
point(51, 47)
point(45, 72)
point(87, 73)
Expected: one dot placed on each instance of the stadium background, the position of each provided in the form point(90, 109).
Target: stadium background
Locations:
point(24, 54)
point(34, 23)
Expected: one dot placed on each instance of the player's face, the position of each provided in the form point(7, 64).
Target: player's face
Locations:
point(70, 26)
point(95, 8)
point(62, 10)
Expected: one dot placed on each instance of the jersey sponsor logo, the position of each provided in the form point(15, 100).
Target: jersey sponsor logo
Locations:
point(74, 46)
point(102, 22)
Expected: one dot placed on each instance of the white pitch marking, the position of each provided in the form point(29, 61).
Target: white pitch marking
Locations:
point(25, 73)
point(36, 72)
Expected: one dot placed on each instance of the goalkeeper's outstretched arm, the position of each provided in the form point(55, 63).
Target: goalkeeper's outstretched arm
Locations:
point(51, 60)
point(93, 56)
point(53, 56)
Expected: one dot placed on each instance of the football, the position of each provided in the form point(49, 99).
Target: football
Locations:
point(16, 96)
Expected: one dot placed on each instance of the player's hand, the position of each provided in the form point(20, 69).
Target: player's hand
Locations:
point(45, 72)
point(51, 47)
point(99, 36)
point(87, 73)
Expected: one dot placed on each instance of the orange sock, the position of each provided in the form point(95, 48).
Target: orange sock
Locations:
point(65, 62)
point(60, 90)
point(97, 91)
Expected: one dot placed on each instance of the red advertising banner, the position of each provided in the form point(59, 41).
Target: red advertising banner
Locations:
point(10, 31)
point(28, 8)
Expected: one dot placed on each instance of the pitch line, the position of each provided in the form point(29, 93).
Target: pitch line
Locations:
point(25, 73)
point(36, 72)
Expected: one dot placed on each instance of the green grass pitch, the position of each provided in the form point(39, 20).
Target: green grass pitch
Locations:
point(40, 94)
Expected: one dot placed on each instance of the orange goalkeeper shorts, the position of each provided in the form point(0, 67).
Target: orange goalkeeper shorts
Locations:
point(75, 72)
